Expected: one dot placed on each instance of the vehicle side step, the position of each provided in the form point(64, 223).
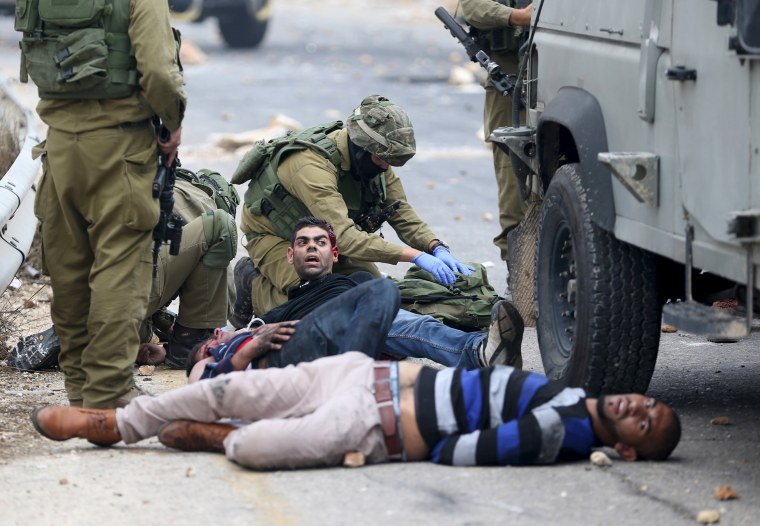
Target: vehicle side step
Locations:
point(696, 318)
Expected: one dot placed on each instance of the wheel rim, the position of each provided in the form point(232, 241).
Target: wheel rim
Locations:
point(562, 287)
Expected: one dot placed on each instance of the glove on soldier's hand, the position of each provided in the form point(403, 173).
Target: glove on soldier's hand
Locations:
point(436, 267)
point(453, 263)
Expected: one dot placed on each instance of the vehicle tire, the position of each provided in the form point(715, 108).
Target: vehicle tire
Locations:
point(241, 30)
point(598, 309)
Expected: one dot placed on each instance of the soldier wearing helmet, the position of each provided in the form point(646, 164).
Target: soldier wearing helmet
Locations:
point(342, 174)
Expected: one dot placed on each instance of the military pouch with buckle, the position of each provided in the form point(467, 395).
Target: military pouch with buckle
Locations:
point(27, 15)
point(79, 60)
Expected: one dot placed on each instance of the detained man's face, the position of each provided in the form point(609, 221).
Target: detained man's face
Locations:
point(634, 420)
point(311, 254)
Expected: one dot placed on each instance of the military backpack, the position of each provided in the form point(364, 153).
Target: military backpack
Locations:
point(465, 306)
point(222, 191)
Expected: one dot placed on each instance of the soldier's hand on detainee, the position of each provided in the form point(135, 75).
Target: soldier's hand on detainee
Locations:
point(169, 146)
point(436, 267)
point(453, 263)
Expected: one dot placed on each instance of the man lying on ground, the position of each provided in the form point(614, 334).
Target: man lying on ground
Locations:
point(314, 413)
point(312, 252)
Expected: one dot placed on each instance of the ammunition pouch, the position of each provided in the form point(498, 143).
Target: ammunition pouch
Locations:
point(220, 231)
point(79, 49)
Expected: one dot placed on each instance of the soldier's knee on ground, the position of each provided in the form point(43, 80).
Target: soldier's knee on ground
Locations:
point(221, 235)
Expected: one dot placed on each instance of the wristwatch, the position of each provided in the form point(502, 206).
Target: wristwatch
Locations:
point(437, 244)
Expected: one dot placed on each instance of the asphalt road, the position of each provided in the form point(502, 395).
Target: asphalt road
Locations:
point(317, 62)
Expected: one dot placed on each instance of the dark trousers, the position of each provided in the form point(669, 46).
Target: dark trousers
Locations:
point(357, 320)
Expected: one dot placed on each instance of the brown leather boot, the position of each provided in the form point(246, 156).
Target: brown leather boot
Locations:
point(58, 422)
point(189, 435)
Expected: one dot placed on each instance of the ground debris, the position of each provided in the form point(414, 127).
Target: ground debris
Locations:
point(726, 493)
point(600, 459)
point(353, 459)
point(668, 328)
point(720, 421)
point(708, 516)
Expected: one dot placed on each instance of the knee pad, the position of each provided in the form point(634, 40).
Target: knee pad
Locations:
point(221, 235)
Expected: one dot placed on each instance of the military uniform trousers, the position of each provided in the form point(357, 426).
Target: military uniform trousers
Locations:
point(97, 212)
point(497, 113)
point(202, 289)
point(300, 416)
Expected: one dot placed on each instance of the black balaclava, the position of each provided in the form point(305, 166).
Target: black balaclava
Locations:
point(362, 165)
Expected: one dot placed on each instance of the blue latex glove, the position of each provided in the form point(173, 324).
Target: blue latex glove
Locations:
point(453, 263)
point(436, 267)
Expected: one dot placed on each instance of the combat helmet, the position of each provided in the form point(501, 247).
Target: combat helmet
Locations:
point(381, 127)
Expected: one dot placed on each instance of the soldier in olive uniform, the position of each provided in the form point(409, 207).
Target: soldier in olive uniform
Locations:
point(497, 22)
point(200, 274)
point(348, 177)
point(103, 71)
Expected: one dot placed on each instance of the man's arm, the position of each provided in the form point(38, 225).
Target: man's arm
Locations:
point(270, 337)
point(489, 14)
point(155, 50)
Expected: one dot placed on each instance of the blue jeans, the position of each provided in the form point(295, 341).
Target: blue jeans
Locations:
point(416, 336)
point(357, 320)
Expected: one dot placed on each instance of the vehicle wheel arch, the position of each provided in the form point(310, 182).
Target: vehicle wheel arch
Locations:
point(571, 129)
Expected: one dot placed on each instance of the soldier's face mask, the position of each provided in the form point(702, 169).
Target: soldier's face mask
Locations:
point(362, 164)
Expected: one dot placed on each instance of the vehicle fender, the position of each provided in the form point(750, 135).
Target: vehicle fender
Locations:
point(572, 127)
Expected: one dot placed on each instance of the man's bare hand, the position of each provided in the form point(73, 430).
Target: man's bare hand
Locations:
point(150, 354)
point(521, 17)
point(169, 147)
point(269, 337)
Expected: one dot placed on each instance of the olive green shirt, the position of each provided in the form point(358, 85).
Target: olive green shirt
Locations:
point(313, 179)
point(485, 14)
point(490, 14)
point(160, 93)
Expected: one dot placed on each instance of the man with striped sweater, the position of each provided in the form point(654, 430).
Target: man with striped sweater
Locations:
point(314, 414)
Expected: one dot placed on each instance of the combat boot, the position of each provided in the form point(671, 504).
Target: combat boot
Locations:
point(189, 435)
point(58, 422)
point(244, 274)
point(181, 344)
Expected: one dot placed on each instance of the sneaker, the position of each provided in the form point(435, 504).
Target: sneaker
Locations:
point(244, 274)
point(502, 345)
point(181, 344)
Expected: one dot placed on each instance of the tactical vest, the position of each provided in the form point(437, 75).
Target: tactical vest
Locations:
point(504, 38)
point(266, 196)
point(77, 49)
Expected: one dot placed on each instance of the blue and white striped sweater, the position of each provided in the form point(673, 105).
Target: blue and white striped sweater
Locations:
point(501, 415)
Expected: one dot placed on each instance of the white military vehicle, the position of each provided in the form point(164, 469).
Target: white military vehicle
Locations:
point(643, 138)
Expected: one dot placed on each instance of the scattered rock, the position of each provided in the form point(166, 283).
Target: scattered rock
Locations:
point(708, 516)
point(487, 216)
point(726, 493)
point(63, 482)
point(30, 304)
point(430, 185)
point(353, 459)
point(190, 472)
point(146, 370)
point(600, 458)
point(669, 328)
point(720, 421)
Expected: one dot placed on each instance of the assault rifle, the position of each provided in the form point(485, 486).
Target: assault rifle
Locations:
point(169, 226)
point(504, 84)
point(371, 222)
